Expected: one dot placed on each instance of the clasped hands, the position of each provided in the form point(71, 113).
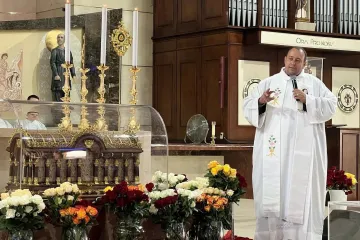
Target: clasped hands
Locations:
point(297, 93)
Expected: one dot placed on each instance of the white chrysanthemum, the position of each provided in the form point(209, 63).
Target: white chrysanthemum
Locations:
point(50, 192)
point(28, 209)
point(70, 198)
point(153, 209)
point(37, 199)
point(180, 177)
point(230, 192)
point(75, 188)
point(10, 213)
point(24, 200)
point(13, 201)
point(60, 191)
point(21, 192)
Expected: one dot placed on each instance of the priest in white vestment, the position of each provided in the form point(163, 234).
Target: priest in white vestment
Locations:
point(289, 111)
point(31, 122)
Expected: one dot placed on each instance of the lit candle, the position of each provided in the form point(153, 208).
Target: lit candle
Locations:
point(135, 37)
point(213, 128)
point(103, 35)
point(67, 30)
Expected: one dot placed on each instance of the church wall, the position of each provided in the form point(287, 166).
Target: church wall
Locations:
point(145, 58)
point(35, 78)
point(17, 10)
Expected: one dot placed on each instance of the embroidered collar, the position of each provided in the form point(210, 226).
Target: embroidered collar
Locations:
point(287, 77)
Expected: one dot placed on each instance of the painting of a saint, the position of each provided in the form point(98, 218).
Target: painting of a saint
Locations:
point(10, 78)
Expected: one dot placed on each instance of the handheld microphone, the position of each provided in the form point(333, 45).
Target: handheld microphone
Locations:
point(294, 83)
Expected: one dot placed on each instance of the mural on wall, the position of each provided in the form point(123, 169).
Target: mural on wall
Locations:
point(10, 77)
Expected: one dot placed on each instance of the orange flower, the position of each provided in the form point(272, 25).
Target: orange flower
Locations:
point(210, 201)
point(92, 211)
point(87, 219)
point(81, 213)
point(217, 206)
point(63, 212)
point(207, 208)
point(76, 221)
point(71, 211)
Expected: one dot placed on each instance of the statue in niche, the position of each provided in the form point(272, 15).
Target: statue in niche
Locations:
point(58, 79)
point(301, 11)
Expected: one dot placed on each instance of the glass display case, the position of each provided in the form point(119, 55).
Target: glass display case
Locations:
point(93, 145)
point(343, 221)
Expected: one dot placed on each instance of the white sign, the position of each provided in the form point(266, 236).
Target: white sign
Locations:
point(308, 41)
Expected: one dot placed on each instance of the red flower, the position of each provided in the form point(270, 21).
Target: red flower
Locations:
point(111, 195)
point(228, 237)
point(242, 181)
point(121, 202)
point(149, 186)
point(163, 202)
point(121, 188)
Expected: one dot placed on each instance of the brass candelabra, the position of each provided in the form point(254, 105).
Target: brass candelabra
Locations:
point(66, 124)
point(133, 125)
point(84, 123)
point(100, 123)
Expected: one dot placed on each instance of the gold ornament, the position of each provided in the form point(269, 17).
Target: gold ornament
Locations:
point(121, 39)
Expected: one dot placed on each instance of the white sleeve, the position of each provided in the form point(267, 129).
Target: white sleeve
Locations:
point(251, 106)
point(321, 108)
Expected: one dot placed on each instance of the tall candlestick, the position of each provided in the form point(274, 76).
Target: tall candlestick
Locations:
point(213, 128)
point(135, 37)
point(103, 35)
point(67, 30)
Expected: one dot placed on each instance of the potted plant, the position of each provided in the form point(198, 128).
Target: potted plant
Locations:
point(340, 184)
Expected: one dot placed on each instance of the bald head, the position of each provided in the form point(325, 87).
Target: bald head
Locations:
point(60, 39)
point(294, 61)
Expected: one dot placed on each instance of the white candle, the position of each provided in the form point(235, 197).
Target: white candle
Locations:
point(103, 35)
point(213, 128)
point(135, 37)
point(67, 30)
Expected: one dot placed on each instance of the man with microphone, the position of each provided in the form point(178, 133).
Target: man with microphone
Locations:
point(290, 156)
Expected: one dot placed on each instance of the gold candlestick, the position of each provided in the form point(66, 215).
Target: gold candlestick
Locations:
point(66, 124)
point(100, 123)
point(84, 123)
point(133, 126)
point(101, 90)
point(66, 87)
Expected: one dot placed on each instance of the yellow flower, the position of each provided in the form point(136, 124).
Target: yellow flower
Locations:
point(226, 169)
point(233, 173)
point(219, 167)
point(108, 188)
point(207, 208)
point(352, 177)
point(212, 164)
point(214, 171)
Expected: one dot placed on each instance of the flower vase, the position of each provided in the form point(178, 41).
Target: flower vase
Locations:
point(128, 228)
point(21, 235)
point(207, 231)
point(338, 196)
point(74, 233)
point(175, 231)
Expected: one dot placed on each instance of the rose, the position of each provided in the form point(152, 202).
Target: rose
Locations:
point(149, 187)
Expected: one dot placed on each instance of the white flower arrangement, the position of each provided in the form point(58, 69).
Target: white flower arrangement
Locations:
point(20, 209)
point(65, 188)
point(198, 183)
point(164, 181)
